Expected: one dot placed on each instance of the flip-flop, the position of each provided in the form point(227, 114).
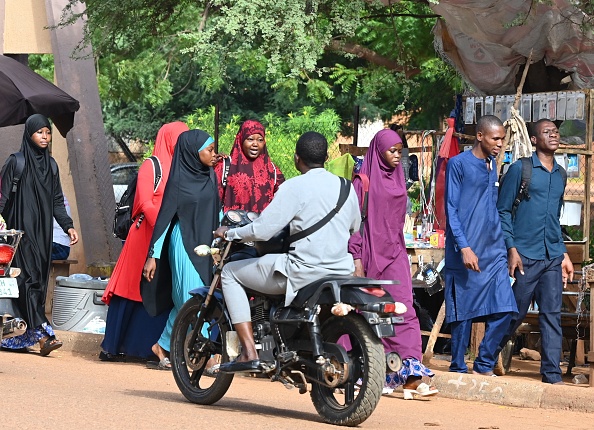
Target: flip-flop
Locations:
point(212, 371)
point(164, 364)
point(49, 345)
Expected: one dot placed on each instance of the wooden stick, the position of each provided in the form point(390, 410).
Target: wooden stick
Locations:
point(428, 355)
point(519, 90)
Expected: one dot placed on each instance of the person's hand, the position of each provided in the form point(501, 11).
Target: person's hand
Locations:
point(148, 271)
point(470, 259)
point(359, 268)
point(73, 236)
point(220, 232)
point(219, 157)
point(514, 262)
point(566, 270)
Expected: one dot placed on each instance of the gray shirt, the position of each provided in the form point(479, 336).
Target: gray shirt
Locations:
point(301, 202)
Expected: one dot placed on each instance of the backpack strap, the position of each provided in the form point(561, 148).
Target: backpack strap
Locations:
point(364, 204)
point(226, 167)
point(156, 171)
point(20, 167)
point(524, 184)
point(18, 170)
point(345, 188)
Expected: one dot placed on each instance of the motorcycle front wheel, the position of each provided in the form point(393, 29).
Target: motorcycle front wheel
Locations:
point(189, 357)
point(355, 400)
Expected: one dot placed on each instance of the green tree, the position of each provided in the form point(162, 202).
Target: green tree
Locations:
point(254, 57)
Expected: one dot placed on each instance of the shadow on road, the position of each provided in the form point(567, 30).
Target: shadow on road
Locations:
point(230, 404)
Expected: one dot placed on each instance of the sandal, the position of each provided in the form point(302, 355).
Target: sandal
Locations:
point(49, 345)
point(212, 371)
point(164, 364)
point(421, 390)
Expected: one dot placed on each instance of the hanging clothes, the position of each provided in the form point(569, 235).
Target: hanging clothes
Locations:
point(449, 149)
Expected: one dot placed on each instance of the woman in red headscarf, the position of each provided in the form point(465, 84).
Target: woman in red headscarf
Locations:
point(247, 180)
point(252, 178)
point(130, 330)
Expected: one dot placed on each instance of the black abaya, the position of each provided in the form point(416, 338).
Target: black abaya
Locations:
point(37, 200)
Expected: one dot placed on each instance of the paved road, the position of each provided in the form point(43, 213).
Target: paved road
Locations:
point(70, 391)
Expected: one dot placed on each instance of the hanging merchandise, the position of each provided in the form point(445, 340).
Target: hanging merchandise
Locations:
point(517, 140)
point(449, 149)
point(427, 205)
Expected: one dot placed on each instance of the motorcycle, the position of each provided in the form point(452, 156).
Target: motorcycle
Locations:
point(326, 342)
point(9, 290)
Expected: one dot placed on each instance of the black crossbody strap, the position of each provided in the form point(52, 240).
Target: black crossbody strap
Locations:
point(345, 188)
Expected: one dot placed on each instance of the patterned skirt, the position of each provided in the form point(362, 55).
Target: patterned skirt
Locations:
point(29, 338)
point(410, 367)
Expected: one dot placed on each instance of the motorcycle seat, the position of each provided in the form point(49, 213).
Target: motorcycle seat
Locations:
point(305, 293)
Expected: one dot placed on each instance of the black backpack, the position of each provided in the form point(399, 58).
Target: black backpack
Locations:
point(522, 193)
point(122, 220)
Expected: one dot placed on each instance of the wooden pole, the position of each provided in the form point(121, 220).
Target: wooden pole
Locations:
point(428, 354)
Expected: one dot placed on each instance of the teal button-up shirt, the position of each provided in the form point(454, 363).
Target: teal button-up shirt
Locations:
point(535, 231)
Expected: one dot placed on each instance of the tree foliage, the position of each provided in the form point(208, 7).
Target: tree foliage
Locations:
point(160, 60)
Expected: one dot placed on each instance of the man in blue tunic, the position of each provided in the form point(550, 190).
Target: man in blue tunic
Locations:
point(477, 285)
point(537, 257)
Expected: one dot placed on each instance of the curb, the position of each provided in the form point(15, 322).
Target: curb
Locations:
point(506, 392)
point(85, 344)
point(461, 386)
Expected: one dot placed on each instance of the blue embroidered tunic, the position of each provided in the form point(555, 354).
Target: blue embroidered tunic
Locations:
point(473, 220)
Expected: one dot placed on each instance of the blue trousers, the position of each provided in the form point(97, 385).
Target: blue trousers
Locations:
point(542, 281)
point(496, 326)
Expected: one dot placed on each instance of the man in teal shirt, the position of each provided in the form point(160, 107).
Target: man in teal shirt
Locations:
point(536, 255)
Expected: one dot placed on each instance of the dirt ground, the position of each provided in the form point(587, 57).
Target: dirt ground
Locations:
point(70, 391)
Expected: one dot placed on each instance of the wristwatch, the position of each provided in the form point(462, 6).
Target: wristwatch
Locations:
point(225, 235)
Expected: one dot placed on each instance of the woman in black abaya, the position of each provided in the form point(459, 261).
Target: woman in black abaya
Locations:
point(31, 208)
point(188, 216)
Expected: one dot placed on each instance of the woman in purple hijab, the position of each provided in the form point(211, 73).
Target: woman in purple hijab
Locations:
point(379, 252)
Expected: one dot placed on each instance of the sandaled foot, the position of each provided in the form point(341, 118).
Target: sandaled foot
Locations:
point(212, 365)
point(49, 345)
point(419, 388)
point(163, 364)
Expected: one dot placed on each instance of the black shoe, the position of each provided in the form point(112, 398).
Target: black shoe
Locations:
point(106, 356)
point(240, 366)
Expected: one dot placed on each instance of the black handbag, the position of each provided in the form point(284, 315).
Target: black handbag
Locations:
point(281, 242)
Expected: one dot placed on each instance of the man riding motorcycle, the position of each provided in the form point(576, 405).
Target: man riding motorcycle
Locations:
point(300, 202)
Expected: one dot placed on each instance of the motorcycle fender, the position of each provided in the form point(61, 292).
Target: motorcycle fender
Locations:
point(218, 296)
point(203, 291)
point(382, 327)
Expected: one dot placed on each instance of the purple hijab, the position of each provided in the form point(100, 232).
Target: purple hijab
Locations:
point(383, 239)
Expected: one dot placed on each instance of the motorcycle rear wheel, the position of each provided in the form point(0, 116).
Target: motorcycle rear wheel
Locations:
point(346, 406)
point(188, 364)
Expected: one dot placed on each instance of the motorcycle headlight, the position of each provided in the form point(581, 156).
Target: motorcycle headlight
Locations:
point(234, 216)
point(252, 216)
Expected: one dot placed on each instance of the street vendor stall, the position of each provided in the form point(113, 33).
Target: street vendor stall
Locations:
point(573, 111)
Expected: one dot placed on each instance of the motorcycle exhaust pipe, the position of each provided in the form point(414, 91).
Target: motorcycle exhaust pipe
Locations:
point(13, 327)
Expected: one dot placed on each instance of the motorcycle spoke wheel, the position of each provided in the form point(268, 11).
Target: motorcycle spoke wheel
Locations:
point(354, 401)
point(189, 358)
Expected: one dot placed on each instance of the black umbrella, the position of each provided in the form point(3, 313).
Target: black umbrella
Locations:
point(23, 93)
